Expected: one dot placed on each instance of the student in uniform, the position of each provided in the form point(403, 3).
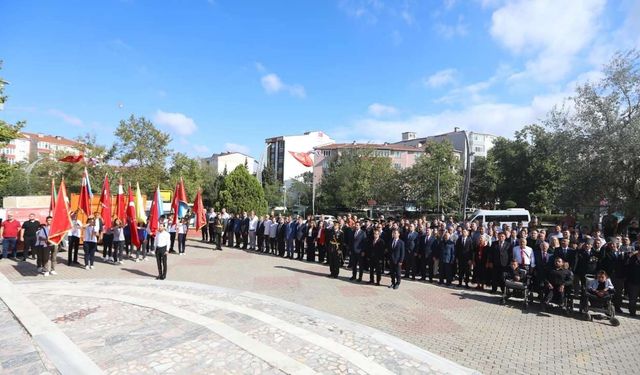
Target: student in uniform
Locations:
point(91, 236)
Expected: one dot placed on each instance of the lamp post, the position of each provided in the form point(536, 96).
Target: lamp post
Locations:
point(467, 175)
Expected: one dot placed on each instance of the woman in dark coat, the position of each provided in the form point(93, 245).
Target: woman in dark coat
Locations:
point(480, 257)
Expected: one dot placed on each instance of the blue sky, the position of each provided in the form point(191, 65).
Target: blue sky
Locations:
point(224, 75)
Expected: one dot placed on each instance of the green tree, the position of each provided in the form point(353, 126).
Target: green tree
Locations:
point(484, 178)
point(142, 150)
point(242, 192)
point(598, 137)
point(190, 170)
point(272, 189)
point(301, 190)
point(356, 176)
point(439, 163)
point(11, 178)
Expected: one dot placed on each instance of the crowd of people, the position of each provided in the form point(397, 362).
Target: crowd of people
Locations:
point(469, 254)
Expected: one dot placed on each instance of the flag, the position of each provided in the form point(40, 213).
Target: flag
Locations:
point(72, 158)
point(105, 204)
point(179, 204)
point(85, 194)
point(52, 200)
point(131, 217)
point(141, 216)
point(121, 210)
point(61, 222)
point(154, 212)
point(198, 209)
point(303, 157)
point(160, 203)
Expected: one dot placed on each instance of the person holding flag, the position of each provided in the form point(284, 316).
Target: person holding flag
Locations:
point(84, 203)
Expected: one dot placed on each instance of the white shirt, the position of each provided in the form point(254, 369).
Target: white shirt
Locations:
point(267, 227)
point(526, 253)
point(225, 216)
point(90, 234)
point(162, 239)
point(76, 228)
point(182, 228)
point(273, 230)
point(42, 236)
point(172, 228)
point(118, 234)
point(253, 223)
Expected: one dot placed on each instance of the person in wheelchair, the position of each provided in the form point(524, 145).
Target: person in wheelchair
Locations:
point(559, 280)
point(515, 280)
point(600, 290)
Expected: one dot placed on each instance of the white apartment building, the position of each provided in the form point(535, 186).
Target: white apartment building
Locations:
point(229, 161)
point(36, 145)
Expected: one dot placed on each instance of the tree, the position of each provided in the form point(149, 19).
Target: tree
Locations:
point(301, 191)
point(242, 192)
point(272, 190)
point(8, 132)
point(599, 138)
point(438, 163)
point(484, 178)
point(190, 170)
point(142, 150)
point(354, 177)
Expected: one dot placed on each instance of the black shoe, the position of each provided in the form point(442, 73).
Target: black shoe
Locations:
point(158, 278)
point(396, 286)
point(440, 282)
point(378, 283)
point(360, 279)
point(370, 281)
point(467, 286)
point(352, 278)
point(618, 310)
point(392, 285)
point(24, 259)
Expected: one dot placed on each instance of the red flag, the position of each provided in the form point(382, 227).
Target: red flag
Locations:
point(105, 204)
point(179, 195)
point(72, 158)
point(61, 222)
point(198, 209)
point(52, 201)
point(153, 212)
point(85, 194)
point(121, 211)
point(133, 224)
point(303, 157)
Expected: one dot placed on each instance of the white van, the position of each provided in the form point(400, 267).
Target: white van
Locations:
point(510, 216)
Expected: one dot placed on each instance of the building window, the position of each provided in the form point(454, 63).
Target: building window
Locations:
point(397, 166)
point(326, 153)
point(478, 149)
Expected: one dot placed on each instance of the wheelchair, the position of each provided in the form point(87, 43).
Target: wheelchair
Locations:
point(519, 289)
point(592, 306)
point(565, 304)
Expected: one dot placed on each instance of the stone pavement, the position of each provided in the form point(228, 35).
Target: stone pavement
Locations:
point(467, 327)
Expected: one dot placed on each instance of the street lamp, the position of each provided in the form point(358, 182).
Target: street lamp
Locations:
point(467, 177)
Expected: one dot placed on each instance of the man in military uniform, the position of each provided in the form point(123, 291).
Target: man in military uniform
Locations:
point(336, 244)
point(218, 226)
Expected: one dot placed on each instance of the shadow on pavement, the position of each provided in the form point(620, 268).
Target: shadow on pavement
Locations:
point(26, 269)
point(138, 272)
point(308, 272)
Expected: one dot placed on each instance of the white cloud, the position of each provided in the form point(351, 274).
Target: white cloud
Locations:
point(441, 78)
point(272, 84)
point(235, 147)
point(460, 28)
point(176, 122)
point(367, 10)
point(549, 32)
point(69, 119)
point(379, 110)
point(259, 67)
point(407, 17)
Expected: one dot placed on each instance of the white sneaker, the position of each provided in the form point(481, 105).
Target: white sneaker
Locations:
point(91, 267)
point(86, 267)
point(46, 274)
point(145, 259)
point(119, 262)
point(53, 272)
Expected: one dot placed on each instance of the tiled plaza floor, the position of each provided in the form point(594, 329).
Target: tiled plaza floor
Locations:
point(127, 322)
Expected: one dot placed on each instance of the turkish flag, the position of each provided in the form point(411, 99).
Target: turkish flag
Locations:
point(131, 217)
point(105, 204)
point(61, 222)
point(84, 202)
point(72, 158)
point(303, 157)
point(198, 209)
point(179, 195)
point(52, 199)
point(154, 215)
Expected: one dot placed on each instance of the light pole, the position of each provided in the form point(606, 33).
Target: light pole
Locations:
point(467, 175)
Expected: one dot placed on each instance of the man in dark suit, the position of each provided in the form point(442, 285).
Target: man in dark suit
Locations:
point(411, 250)
point(447, 258)
point(464, 255)
point(501, 255)
point(565, 252)
point(543, 260)
point(426, 243)
point(244, 230)
point(358, 248)
point(300, 237)
point(376, 255)
point(397, 257)
point(336, 249)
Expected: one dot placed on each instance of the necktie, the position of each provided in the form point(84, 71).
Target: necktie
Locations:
point(394, 243)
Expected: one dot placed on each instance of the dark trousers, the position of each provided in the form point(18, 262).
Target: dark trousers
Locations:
point(229, 239)
point(273, 245)
point(74, 245)
point(300, 248)
point(28, 245)
point(161, 260)
point(107, 245)
point(395, 273)
point(498, 277)
point(205, 233)
point(427, 268)
point(150, 243)
point(212, 232)
point(634, 292)
point(311, 251)
point(218, 240)
point(260, 244)
point(464, 272)
point(376, 267)
point(446, 273)
point(619, 285)
point(117, 250)
point(334, 262)
point(322, 251)
point(281, 247)
point(89, 252)
point(409, 265)
point(172, 240)
point(182, 242)
point(357, 264)
point(245, 240)
point(238, 239)
point(554, 293)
